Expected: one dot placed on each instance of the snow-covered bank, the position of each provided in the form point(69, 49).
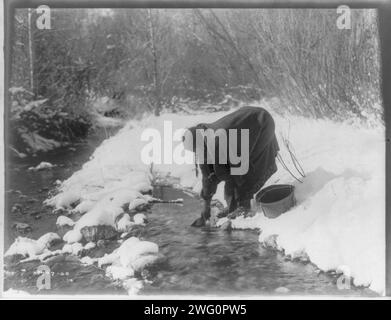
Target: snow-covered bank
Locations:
point(339, 218)
point(32, 248)
point(338, 223)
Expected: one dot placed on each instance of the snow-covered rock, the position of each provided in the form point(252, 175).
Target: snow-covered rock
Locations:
point(26, 247)
point(133, 253)
point(221, 221)
point(107, 122)
point(282, 290)
point(226, 226)
point(72, 236)
point(132, 285)
point(64, 221)
point(43, 165)
point(124, 224)
point(99, 232)
point(49, 239)
point(119, 273)
point(138, 203)
point(89, 246)
point(22, 227)
point(87, 260)
point(74, 248)
point(32, 248)
point(139, 218)
point(84, 206)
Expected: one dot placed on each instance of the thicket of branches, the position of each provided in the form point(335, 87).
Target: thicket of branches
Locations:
point(151, 57)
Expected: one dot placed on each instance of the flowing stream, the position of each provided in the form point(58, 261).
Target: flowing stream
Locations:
point(195, 261)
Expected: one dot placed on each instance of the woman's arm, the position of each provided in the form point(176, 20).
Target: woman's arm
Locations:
point(209, 187)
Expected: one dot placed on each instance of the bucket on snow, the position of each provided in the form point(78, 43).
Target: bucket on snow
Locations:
point(276, 199)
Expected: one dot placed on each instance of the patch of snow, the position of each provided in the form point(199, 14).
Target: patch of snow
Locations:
point(74, 248)
point(38, 143)
point(139, 218)
point(247, 223)
point(281, 290)
point(84, 206)
point(43, 256)
point(48, 238)
point(26, 247)
point(16, 90)
point(15, 293)
point(104, 104)
point(133, 286)
point(221, 221)
point(72, 236)
point(124, 224)
point(108, 258)
point(90, 245)
point(20, 155)
point(108, 206)
point(87, 261)
point(119, 273)
point(137, 202)
point(63, 200)
point(107, 122)
point(21, 227)
point(43, 165)
point(34, 249)
point(34, 104)
point(133, 255)
point(64, 221)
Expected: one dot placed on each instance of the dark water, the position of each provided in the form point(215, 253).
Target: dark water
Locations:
point(29, 189)
point(212, 261)
point(195, 261)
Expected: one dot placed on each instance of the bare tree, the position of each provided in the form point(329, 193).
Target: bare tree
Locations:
point(155, 73)
point(30, 49)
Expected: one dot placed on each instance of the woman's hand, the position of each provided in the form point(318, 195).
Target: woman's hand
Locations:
point(200, 222)
point(205, 215)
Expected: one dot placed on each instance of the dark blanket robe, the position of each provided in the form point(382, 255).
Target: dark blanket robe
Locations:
point(263, 148)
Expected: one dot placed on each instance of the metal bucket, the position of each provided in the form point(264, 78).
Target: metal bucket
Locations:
point(276, 199)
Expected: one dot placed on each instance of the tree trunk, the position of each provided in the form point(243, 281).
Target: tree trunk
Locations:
point(30, 49)
point(155, 73)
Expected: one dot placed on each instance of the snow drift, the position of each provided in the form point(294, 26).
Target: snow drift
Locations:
point(133, 255)
point(339, 219)
point(30, 247)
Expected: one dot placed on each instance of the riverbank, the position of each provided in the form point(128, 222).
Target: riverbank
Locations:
point(344, 163)
point(204, 261)
point(117, 157)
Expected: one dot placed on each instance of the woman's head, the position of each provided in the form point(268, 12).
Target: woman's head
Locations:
point(192, 136)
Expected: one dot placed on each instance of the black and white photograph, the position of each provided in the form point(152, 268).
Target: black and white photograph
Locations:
point(211, 152)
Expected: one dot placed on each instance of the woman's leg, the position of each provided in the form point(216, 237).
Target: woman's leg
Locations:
point(230, 195)
point(245, 203)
